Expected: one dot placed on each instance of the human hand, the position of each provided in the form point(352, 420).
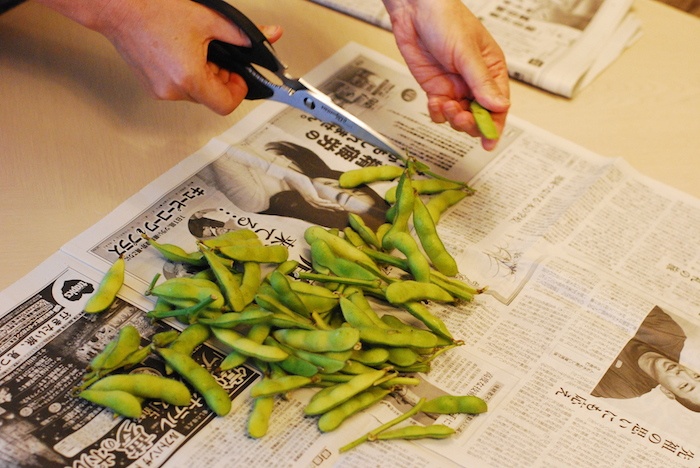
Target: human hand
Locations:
point(165, 42)
point(454, 59)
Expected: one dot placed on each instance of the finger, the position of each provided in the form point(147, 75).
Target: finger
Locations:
point(221, 91)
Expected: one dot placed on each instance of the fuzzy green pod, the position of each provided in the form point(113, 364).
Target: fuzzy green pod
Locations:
point(366, 175)
point(332, 419)
point(484, 121)
point(453, 404)
point(121, 402)
point(107, 289)
point(216, 397)
point(330, 397)
point(147, 386)
point(259, 418)
point(401, 292)
point(433, 246)
point(339, 339)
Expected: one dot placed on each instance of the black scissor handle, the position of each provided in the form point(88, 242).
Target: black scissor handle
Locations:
point(239, 59)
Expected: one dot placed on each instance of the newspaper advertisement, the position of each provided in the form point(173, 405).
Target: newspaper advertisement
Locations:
point(557, 45)
point(585, 343)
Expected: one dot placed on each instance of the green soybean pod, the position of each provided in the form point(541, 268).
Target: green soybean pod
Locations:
point(429, 238)
point(366, 175)
point(341, 248)
point(147, 386)
point(325, 257)
point(370, 357)
point(121, 402)
point(339, 339)
point(396, 337)
point(281, 285)
point(354, 314)
point(248, 347)
point(484, 121)
point(257, 333)
point(249, 316)
point(295, 365)
point(357, 297)
point(434, 431)
point(325, 363)
point(107, 289)
point(226, 281)
point(175, 253)
point(255, 253)
point(188, 340)
point(425, 187)
point(332, 419)
point(331, 397)
point(350, 235)
point(432, 322)
point(230, 237)
point(186, 292)
point(403, 356)
point(274, 386)
point(401, 292)
point(438, 204)
point(404, 211)
point(250, 282)
point(127, 341)
point(201, 379)
point(453, 404)
point(259, 418)
point(364, 231)
point(416, 261)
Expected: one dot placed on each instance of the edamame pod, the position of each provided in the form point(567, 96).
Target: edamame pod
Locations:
point(425, 187)
point(255, 253)
point(398, 337)
point(226, 281)
point(401, 292)
point(453, 404)
point(332, 419)
point(175, 253)
point(339, 339)
point(484, 121)
point(366, 175)
point(330, 397)
point(248, 347)
point(201, 379)
point(273, 386)
point(438, 204)
point(259, 418)
point(433, 246)
point(147, 386)
point(107, 289)
point(121, 402)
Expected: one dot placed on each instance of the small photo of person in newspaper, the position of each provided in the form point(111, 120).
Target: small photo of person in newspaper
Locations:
point(295, 183)
point(650, 360)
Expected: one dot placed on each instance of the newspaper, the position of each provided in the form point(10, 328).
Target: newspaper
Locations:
point(587, 262)
point(559, 46)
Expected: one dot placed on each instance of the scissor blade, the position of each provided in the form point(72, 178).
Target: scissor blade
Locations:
point(323, 108)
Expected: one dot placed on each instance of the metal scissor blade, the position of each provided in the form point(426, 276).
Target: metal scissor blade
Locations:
point(323, 108)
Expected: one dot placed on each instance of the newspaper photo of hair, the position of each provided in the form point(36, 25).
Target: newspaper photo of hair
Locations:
point(650, 360)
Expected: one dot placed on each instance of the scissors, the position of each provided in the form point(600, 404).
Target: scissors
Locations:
point(292, 91)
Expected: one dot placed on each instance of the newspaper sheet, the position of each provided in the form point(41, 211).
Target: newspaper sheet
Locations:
point(585, 344)
point(559, 46)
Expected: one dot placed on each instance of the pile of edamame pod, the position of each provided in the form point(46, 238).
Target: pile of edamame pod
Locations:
point(301, 328)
